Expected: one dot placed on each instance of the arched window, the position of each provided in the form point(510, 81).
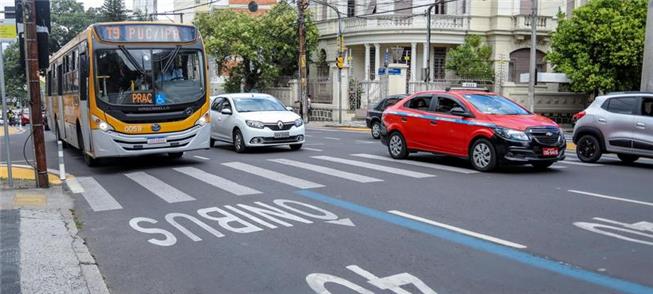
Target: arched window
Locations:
point(520, 62)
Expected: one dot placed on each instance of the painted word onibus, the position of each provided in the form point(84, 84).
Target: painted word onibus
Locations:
point(130, 88)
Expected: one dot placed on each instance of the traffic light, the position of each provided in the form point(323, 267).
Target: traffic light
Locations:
point(340, 62)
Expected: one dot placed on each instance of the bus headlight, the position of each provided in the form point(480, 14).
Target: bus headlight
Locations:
point(102, 125)
point(206, 118)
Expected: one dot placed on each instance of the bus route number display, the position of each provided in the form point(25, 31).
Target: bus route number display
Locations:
point(145, 33)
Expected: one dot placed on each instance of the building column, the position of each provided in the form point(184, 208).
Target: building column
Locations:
point(432, 65)
point(424, 60)
point(413, 61)
point(367, 62)
point(377, 60)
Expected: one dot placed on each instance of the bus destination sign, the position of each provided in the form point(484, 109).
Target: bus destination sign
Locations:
point(145, 33)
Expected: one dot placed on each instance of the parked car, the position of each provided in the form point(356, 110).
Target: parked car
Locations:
point(255, 120)
point(620, 123)
point(478, 125)
point(24, 119)
point(374, 111)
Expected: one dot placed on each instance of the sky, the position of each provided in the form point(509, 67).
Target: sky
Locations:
point(164, 5)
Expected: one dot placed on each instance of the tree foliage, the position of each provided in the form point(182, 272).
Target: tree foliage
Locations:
point(600, 47)
point(256, 50)
point(14, 73)
point(471, 60)
point(67, 20)
point(113, 10)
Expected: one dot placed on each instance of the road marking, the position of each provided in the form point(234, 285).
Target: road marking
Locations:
point(201, 157)
point(272, 175)
point(419, 163)
point(166, 192)
point(314, 144)
point(641, 229)
point(558, 167)
point(611, 197)
point(331, 138)
point(382, 168)
point(510, 253)
point(327, 171)
point(459, 230)
point(74, 185)
point(573, 162)
point(365, 142)
point(219, 182)
point(96, 196)
point(312, 149)
point(308, 136)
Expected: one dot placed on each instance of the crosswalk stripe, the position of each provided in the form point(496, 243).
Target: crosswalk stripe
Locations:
point(313, 149)
point(166, 192)
point(418, 163)
point(96, 196)
point(216, 181)
point(327, 171)
point(331, 138)
point(273, 175)
point(573, 162)
point(382, 168)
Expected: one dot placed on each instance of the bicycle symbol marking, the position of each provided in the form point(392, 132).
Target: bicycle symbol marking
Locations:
point(318, 281)
point(643, 230)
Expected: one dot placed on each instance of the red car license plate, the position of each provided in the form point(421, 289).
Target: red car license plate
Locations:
point(550, 151)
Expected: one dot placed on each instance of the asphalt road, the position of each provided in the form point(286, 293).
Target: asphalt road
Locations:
point(340, 216)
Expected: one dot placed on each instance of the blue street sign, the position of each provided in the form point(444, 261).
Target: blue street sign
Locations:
point(394, 71)
point(381, 71)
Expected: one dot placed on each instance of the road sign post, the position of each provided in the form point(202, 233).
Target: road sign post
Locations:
point(7, 34)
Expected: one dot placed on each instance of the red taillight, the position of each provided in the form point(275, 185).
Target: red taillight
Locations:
point(578, 116)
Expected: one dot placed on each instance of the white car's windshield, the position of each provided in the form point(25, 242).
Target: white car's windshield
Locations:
point(491, 104)
point(258, 104)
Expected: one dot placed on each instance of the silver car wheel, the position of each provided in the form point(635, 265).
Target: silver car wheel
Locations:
point(482, 155)
point(396, 145)
point(376, 130)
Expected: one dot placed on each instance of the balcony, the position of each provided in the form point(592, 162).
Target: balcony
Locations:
point(521, 24)
point(394, 23)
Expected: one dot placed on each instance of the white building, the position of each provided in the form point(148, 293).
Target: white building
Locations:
point(145, 6)
point(373, 29)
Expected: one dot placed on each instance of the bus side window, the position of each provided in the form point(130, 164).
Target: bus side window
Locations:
point(83, 74)
point(59, 79)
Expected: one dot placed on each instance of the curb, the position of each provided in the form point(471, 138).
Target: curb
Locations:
point(53, 175)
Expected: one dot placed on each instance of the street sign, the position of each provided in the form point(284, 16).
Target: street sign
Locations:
point(394, 71)
point(381, 71)
point(7, 31)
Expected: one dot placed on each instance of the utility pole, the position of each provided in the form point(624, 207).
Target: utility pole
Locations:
point(647, 71)
point(34, 91)
point(532, 73)
point(427, 78)
point(340, 59)
point(301, 6)
point(5, 117)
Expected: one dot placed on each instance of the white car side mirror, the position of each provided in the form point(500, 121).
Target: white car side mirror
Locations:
point(288, 108)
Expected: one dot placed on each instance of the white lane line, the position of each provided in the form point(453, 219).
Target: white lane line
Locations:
point(558, 167)
point(218, 182)
point(166, 192)
point(327, 171)
point(573, 162)
point(96, 196)
point(201, 157)
point(418, 163)
point(74, 185)
point(611, 197)
point(365, 142)
point(459, 230)
point(273, 175)
point(308, 136)
point(331, 138)
point(312, 149)
point(378, 167)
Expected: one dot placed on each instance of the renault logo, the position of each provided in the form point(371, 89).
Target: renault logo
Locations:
point(549, 134)
point(156, 127)
point(280, 124)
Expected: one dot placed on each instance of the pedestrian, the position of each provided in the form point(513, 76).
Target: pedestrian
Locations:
point(308, 107)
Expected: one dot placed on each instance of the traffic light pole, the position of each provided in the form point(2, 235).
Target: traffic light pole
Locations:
point(34, 91)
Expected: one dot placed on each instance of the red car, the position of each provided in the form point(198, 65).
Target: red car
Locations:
point(478, 125)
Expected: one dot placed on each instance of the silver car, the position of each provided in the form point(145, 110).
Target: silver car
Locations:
point(620, 123)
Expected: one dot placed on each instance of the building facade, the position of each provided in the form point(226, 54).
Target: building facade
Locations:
point(145, 6)
point(378, 32)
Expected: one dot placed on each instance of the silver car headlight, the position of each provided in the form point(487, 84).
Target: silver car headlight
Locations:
point(512, 135)
point(254, 124)
point(299, 122)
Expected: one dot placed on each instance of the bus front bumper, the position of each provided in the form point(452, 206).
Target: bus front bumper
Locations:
point(113, 144)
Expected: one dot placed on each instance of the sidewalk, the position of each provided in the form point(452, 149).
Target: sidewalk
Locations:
point(41, 251)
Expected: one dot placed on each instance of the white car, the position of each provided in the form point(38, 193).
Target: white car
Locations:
point(254, 120)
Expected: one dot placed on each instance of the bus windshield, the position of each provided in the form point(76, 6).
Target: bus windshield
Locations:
point(149, 76)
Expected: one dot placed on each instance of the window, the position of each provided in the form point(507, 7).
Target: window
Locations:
point(216, 103)
point(445, 105)
point(72, 61)
point(647, 106)
point(420, 103)
point(520, 63)
point(440, 8)
point(351, 8)
point(491, 104)
point(439, 60)
point(622, 105)
point(48, 84)
point(224, 105)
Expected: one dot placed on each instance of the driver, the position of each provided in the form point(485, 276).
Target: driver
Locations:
point(174, 73)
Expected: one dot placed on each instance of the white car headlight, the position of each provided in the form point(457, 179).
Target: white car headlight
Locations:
point(299, 122)
point(512, 135)
point(254, 124)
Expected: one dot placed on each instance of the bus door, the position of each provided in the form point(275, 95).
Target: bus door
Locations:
point(83, 100)
point(61, 122)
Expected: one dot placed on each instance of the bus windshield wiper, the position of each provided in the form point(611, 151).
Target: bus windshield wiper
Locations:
point(171, 59)
point(131, 59)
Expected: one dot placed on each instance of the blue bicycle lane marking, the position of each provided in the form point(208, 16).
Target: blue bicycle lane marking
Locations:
point(485, 246)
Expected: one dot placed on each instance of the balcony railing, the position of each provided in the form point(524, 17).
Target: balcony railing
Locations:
point(523, 23)
point(395, 22)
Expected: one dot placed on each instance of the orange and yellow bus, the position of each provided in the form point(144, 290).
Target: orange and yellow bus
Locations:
point(130, 88)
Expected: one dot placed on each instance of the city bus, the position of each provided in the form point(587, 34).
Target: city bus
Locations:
point(128, 89)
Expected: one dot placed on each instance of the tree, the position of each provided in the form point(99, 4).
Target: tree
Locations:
point(68, 20)
point(113, 10)
point(256, 50)
point(600, 47)
point(14, 73)
point(471, 60)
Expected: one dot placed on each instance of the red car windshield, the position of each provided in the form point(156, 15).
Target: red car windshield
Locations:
point(494, 104)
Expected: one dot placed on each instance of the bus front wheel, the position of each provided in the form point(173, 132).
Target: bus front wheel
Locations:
point(89, 160)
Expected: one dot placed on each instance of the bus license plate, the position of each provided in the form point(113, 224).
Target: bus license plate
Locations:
point(159, 140)
point(278, 135)
point(550, 152)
